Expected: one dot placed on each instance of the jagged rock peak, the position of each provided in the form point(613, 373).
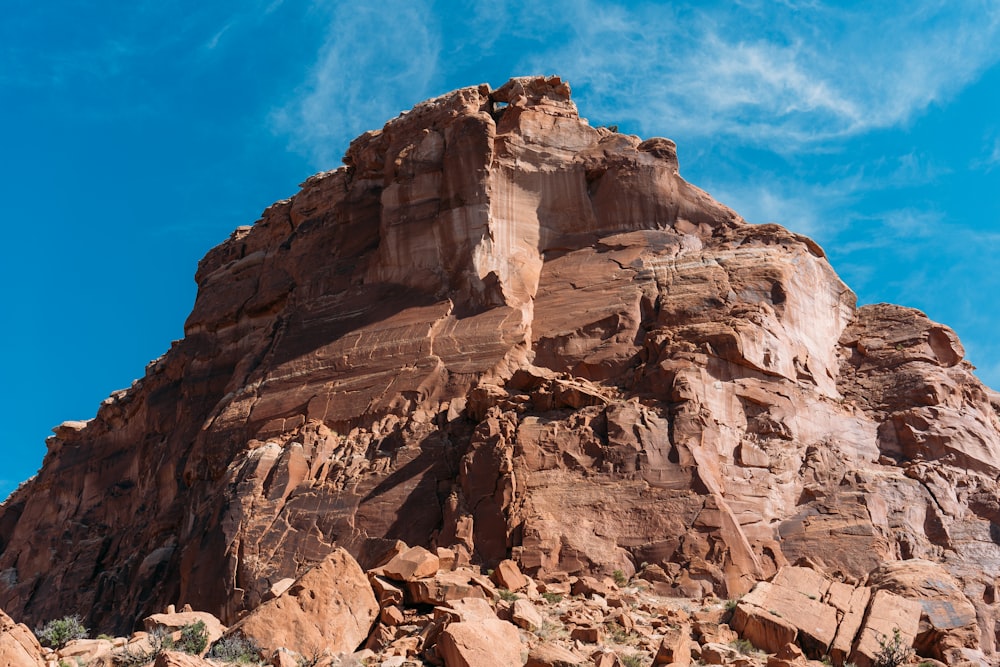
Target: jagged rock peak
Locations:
point(502, 332)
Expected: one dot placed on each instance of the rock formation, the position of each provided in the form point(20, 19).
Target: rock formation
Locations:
point(502, 333)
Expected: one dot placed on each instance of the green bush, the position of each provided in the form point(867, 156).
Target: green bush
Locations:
point(193, 640)
point(58, 632)
point(507, 595)
point(893, 651)
point(551, 597)
point(632, 660)
point(236, 649)
point(620, 578)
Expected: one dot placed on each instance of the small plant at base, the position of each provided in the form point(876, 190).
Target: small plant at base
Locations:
point(236, 649)
point(731, 604)
point(552, 598)
point(507, 595)
point(893, 651)
point(58, 632)
point(193, 640)
point(620, 577)
point(632, 660)
point(744, 646)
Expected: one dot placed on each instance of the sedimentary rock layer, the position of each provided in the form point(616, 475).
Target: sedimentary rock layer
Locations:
point(501, 330)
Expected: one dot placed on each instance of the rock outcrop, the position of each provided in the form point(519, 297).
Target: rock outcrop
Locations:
point(501, 333)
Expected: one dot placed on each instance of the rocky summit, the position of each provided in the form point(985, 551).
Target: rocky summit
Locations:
point(502, 334)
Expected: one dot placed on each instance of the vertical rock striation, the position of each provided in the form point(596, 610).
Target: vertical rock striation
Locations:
point(501, 330)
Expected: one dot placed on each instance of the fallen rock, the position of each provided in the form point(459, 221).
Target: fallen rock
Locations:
point(553, 655)
point(330, 608)
point(88, 652)
point(413, 564)
point(675, 647)
point(466, 610)
point(178, 659)
point(446, 585)
point(948, 619)
point(487, 643)
point(887, 615)
point(524, 615)
point(177, 621)
point(508, 575)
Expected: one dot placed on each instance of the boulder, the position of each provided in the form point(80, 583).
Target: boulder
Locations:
point(444, 586)
point(178, 659)
point(675, 647)
point(888, 614)
point(173, 623)
point(524, 615)
point(18, 646)
point(330, 608)
point(91, 652)
point(413, 564)
point(552, 655)
point(485, 643)
point(508, 575)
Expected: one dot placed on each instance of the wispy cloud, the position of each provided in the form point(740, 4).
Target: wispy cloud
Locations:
point(803, 75)
point(374, 63)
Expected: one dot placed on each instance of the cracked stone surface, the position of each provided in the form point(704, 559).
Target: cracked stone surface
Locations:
point(500, 330)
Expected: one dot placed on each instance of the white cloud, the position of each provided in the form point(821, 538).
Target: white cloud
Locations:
point(782, 77)
point(375, 62)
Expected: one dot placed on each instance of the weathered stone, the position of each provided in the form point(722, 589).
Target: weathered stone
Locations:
point(329, 608)
point(494, 317)
point(524, 615)
point(588, 634)
point(174, 623)
point(466, 610)
point(553, 655)
point(887, 614)
point(714, 653)
point(178, 659)
point(18, 646)
point(507, 575)
point(486, 643)
point(772, 615)
point(788, 655)
point(90, 652)
point(675, 647)
point(414, 563)
point(445, 586)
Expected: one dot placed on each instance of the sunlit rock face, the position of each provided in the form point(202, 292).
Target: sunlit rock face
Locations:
point(501, 330)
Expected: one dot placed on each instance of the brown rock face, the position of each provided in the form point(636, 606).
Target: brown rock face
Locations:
point(330, 608)
point(503, 332)
point(18, 646)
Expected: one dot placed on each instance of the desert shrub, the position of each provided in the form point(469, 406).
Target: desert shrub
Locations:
point(551, 597)
point(236, 649)
point(193, 639)
point(620, 578)
point(507, 595)
point(58, 632)
point(744, 646)
point(132, 656)
point(893, 651)
point(631, 660)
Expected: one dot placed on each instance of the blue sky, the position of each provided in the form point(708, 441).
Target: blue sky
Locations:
point(135, 136)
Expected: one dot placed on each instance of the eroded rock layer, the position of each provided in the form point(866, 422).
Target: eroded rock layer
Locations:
point(500, 330)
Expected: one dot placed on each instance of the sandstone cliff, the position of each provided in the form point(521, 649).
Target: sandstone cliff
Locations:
point(501, 330)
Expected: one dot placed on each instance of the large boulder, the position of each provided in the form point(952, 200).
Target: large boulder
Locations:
point(483, 643)
point(330, 608)
point(18, 646)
